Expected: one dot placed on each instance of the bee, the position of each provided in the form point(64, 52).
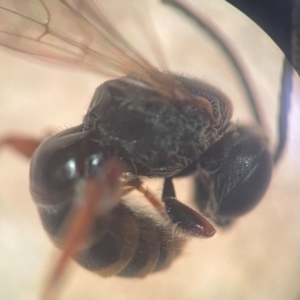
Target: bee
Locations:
point(148, 123)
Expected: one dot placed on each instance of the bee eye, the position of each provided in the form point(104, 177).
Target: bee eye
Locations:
point(250, 190)
point(240, 167)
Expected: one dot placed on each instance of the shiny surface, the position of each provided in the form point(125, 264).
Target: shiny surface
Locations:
point(258, 258)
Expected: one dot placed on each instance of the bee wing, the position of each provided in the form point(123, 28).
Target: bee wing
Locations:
point(69, 32)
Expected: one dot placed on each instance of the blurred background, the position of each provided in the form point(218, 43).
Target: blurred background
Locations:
point(258, 258)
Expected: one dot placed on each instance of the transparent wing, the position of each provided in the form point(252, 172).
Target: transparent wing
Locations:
point(68, 32)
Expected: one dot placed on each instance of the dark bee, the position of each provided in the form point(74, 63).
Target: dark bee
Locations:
point(156, 124)
point(184, 130)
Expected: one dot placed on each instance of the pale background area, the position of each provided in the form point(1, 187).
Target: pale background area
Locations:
point(258, 258)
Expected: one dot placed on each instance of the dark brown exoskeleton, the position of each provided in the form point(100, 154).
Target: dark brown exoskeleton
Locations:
point(184, 130)
point(149, 123)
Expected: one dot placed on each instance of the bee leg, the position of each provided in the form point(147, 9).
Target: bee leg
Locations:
point(133, 183)
point(137, 184)
point(186, 219)
point(23, 145)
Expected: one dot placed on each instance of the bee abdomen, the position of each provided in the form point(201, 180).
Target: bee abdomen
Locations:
point(134, 246)
point(127, 242)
